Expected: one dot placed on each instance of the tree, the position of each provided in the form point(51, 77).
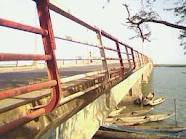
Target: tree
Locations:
point(139, 21)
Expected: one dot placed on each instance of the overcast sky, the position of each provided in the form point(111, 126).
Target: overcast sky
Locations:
point(164, 46)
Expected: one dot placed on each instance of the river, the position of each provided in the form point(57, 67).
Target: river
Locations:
point(170, 82)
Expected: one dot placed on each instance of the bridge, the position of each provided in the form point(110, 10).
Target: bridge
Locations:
point(67, 101)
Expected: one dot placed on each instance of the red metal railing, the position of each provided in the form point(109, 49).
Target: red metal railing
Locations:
point(134, 58)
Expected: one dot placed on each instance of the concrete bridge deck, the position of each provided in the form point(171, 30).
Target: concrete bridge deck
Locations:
point(72, 80)
point(10, 78)
point(80, 91)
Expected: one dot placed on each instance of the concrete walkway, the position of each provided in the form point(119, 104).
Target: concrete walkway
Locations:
point(20, 78)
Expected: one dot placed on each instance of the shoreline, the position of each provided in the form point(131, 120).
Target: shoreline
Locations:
point(169, 65)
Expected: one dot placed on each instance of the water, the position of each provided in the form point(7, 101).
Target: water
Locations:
point(170, 82)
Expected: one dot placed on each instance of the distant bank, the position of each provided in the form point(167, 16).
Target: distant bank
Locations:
point(169, 65)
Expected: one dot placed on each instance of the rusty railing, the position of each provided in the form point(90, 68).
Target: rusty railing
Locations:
point(134, 58)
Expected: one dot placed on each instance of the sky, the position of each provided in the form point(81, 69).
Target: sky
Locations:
point(164, 47)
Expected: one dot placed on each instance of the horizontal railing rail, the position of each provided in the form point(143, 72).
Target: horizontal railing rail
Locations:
point(25, 89)
point(19, 26)
point(13, 57)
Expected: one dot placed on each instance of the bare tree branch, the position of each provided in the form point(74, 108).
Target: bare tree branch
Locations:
point(164, 23)
point(137, 21)
point(131, 20)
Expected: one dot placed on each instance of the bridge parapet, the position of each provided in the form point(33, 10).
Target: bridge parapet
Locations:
point(60, 95)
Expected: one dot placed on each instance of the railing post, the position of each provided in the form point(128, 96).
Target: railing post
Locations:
point(76, 61)
point(102, 53)
point(133, 58)
point(145, 60)
point(139, 61)
point(49, 47)
point(142, 58)
point(120, 58)
point(136, 59)
point(16, 63)
point(128, 58)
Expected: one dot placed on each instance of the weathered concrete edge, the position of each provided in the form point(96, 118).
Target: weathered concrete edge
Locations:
point(86, 122)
